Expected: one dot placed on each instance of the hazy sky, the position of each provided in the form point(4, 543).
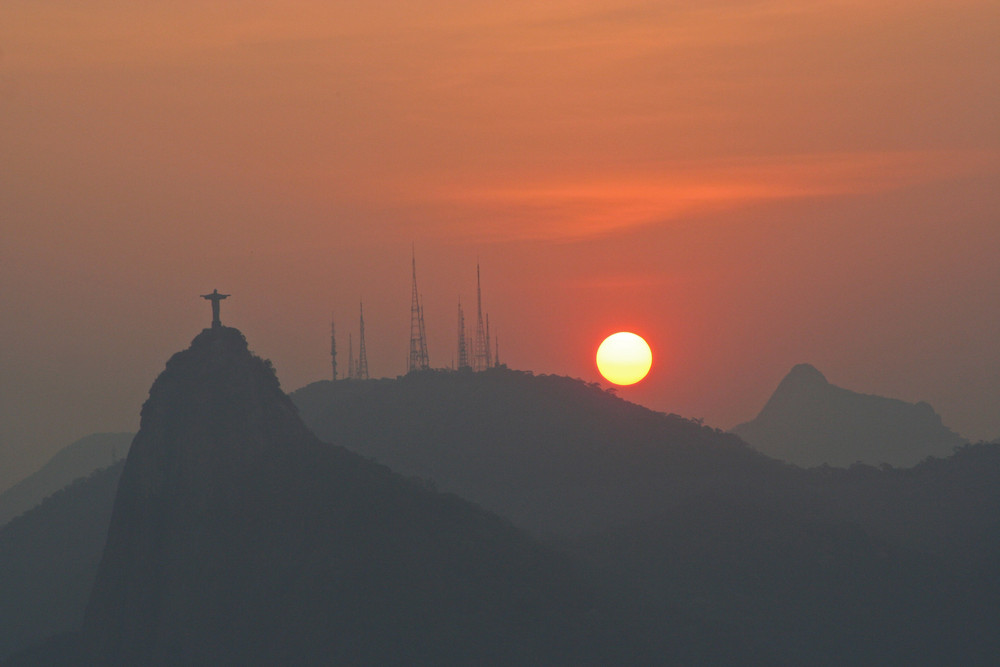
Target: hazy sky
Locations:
point(748, 184)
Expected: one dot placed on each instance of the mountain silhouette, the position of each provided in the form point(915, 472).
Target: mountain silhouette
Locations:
point(665, 512)
point(79, 459)
point(49, 558)
point(553, 454)
point(238, 537)
point(809, 422)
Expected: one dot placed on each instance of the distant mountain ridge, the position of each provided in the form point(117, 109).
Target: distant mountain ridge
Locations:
point(809, 422)
point(79, 459)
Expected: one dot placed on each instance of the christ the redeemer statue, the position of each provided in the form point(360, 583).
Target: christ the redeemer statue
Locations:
point(215, 298)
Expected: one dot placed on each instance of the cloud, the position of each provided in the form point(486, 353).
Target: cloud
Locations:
point(573, 207)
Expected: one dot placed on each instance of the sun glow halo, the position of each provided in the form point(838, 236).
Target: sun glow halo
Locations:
point(624, 358)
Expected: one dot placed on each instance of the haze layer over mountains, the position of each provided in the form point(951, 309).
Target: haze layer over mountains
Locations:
point(598, 532)
point(77, 460)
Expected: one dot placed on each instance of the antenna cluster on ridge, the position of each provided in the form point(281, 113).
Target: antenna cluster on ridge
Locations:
point(475, 351)
point(418, 337)
point(481, 343)
point(356, 370)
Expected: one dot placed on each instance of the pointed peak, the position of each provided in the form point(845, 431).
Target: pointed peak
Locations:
point(805, 374)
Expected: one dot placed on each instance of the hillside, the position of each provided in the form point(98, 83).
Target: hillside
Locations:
point(49, 558)
point(809, 422)
point(238, 537)
point(553, 454)
point(237, 534)
point(79, 459)
point(668, 512)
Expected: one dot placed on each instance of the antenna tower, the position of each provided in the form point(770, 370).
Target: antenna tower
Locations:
point(489, 357)
point(481, 346)
point(350, 357)
point(418, 339)
point(362, 369)
point(424, 360)
point(463, 354)
point(333, 348)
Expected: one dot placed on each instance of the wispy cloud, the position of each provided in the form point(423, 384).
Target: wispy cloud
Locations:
point(568, 208)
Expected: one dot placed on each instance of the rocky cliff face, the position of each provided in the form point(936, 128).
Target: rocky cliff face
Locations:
point(809, 421)
point(237, 537)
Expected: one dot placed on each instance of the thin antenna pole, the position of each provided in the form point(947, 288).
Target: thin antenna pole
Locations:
point(350, 357)
point(333, 347)
point(489, 361)
point(481, 351)
point(424, 360)
point(418, 337)
point(362, 355)
point(463, 354)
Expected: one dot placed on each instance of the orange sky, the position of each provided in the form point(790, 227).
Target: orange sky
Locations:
point(750, 184)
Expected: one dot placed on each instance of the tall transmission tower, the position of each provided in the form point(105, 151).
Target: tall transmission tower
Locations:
point(350, 357)
point(489, 354)
point(333, 348)
point(418, 338)
point(362, 369)
point(463, 353)
point(481, 345)
point(424, 360)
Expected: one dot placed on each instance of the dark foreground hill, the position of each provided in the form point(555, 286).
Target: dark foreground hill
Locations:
point(237, 537)
point(858, 566)
point(79, 459)
point(809, 422)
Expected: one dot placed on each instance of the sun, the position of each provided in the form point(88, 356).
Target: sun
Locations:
point(624, 358)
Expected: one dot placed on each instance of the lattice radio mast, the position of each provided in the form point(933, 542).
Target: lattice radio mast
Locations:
point(463, 353)
point(424, 359)
point(333, 348)
point(350, 357)
point(481, 346)
point(418, 338)
point(489, 354)
point(362, 369)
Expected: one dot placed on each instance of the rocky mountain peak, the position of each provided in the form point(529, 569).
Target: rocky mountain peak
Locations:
point(809, 421)
point(804, 375)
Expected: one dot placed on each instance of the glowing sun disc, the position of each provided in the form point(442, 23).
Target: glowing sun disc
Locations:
point(624, 358)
